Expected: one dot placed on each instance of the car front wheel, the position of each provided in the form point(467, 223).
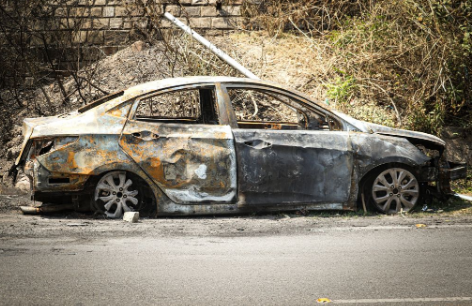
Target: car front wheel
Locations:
point(116, 193)
point(393, 190)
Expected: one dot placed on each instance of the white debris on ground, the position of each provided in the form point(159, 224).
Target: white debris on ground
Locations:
point(131, 216)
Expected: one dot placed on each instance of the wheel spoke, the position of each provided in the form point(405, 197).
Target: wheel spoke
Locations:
point(126, 208)
point(104, 187)
point(411, 191)
point(381, 199)
point(122, 178)
point(401, 176)
point(393, 174)
point(406, 203)
point(111, 182)
point(127, 184)
point(386, 207)
point(398, 205)
point(118, 213)
point(379, 188)
point(410, 184)
point(132, 193)
point(383, 180)
point(107, 198)
point(109, 204)
point(133, 200)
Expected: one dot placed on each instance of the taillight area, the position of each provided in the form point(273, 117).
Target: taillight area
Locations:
point(45, 145)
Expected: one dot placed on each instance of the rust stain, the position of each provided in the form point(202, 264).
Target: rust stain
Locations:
point(71, 160)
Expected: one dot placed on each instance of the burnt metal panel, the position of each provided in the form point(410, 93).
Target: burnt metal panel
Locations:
point(289, 167)
point(42, 177)
point(373, 150)
point(454, 171)
point(85, 155)
point(224, 108)
point(190, 163)
point(78, 161)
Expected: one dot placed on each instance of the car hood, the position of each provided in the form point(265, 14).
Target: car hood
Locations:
point(385, 130)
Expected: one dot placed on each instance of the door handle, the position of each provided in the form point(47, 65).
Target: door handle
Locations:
point(145, 135)
point(257, 144)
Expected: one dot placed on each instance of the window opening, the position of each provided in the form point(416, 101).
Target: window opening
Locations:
point(265, 110)
point(182, 104)
point(179, 106)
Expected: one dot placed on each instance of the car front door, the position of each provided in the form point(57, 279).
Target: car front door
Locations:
point(287, 154)
point(178, 139)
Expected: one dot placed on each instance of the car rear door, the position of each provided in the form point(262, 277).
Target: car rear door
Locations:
point(178, 139)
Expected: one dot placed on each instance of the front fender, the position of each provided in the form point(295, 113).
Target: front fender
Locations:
point(373, 150)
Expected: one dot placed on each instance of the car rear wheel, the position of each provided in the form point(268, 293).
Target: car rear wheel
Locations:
point(393, 190)
point(115, 193)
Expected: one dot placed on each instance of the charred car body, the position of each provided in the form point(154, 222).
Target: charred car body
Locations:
point(208, 145)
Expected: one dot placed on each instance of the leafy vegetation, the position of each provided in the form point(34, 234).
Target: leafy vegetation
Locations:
point(413, 57)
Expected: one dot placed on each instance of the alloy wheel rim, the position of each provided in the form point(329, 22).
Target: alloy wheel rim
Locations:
point(395, 190)
point(113, 190)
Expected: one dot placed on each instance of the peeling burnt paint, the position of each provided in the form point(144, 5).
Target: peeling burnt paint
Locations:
point(290, 167)
point(172, 160)
point(218, 165)
point(372, 151)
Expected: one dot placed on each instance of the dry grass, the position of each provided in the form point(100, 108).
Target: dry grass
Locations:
point(293, 61)
point(399, 63)
point(409, 57)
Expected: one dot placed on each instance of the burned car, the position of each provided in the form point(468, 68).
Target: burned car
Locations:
point(209, 145)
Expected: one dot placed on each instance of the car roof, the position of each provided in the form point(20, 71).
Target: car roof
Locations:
point(150, 87)
point(183, 81)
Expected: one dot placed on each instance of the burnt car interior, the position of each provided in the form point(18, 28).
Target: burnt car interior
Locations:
point(179, 106)
point(254, 109)
point(264, 109)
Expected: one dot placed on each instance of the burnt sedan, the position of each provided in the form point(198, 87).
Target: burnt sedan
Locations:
point(208, 145)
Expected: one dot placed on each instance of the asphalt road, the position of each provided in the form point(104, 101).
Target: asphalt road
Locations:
point(381, 265)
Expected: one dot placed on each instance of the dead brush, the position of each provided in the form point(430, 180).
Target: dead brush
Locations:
point(410, 59)
point(403, 64)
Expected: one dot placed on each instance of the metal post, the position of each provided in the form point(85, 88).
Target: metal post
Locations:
point(212, 47)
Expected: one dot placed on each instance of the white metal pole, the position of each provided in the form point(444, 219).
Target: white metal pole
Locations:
point(464, 197)
point(211, 46)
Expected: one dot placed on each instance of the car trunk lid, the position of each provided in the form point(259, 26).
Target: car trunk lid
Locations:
point(27, 130)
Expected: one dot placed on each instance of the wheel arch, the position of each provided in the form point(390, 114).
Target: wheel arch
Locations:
point(377, 169)
point(134, 170)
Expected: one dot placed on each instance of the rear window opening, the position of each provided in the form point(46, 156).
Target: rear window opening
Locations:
point(196, 105)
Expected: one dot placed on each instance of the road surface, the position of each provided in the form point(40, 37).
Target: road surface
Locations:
point(345, 263)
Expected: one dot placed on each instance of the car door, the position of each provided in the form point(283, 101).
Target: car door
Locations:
point(286, 153)
point(178, 139)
